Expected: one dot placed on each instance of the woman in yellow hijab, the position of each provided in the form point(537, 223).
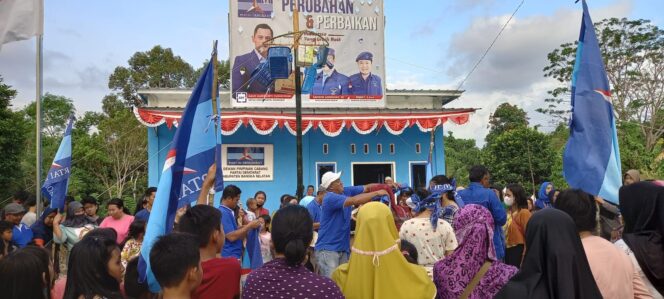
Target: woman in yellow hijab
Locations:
point(377, 269)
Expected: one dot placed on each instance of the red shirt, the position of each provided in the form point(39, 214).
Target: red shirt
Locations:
point(263, 211)
point(221, 279)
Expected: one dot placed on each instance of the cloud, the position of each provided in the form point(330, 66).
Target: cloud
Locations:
point(83, 83)
point(518, 57)
point(425, 29)
point(512, 71)
point(470, 4)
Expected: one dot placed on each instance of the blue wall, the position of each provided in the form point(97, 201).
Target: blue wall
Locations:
point(285, 167)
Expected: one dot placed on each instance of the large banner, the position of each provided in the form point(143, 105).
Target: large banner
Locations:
point(354, 75)
point(247, 162)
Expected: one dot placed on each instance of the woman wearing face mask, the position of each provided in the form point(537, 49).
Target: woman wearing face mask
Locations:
point(517, 201)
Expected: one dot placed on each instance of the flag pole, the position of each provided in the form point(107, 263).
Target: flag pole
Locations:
point(215, 99)
point(38, 117)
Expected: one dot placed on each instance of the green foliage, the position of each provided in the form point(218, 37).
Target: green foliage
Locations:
point(156, 68)
point(506, 117)
point(55, 113)
point(460, 155)
point(13, 130)
point(522, 155)
point(633, 53)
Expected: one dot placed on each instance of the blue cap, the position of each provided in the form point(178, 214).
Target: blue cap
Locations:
point(330, 51)
point(364, 56)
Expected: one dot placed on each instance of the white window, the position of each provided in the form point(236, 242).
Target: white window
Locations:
point(352, 148)
point(366, 148)
point(326, 149)
point(379, 148)
point(391, 148)
point(418, 148)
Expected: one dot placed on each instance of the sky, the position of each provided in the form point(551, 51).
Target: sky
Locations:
point(429, 44)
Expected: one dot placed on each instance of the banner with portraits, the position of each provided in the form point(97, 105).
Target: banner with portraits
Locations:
point(353, 75)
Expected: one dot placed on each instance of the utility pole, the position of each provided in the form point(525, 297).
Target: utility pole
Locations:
point(318, 41)
point(298, 103)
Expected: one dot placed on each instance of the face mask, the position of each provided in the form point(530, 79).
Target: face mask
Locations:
point(410, 204)
point(509, 201)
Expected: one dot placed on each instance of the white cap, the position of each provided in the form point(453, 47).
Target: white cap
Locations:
point(328, 178)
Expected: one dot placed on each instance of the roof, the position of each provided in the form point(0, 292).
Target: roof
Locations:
point(398, 99)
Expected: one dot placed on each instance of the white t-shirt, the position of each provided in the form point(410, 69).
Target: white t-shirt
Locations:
point(431, 245)
point(623, 246)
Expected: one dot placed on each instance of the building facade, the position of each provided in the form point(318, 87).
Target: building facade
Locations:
point(366, 145)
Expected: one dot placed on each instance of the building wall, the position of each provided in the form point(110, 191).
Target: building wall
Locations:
point(285, 167)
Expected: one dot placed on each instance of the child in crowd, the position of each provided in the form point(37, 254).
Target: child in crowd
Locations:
point(6, 233)
point(131, 246)
point(265, 238)
point(409, 251)
point(176, 264)
point(252, 209)
point(221, 276)
point(94, 269)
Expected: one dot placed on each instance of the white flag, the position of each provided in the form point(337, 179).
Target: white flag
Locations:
point(20, 19)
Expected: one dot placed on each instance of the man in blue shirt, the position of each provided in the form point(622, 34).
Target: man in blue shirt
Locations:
point(315, 208)
point(234, 234)
point(329, 81)
point(478, 193)
point(333, 245)
point(21, 233)
point(365, 83)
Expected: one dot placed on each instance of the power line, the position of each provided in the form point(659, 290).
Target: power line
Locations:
point(491, 45)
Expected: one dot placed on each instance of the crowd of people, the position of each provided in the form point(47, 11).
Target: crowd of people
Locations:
point(381, 240)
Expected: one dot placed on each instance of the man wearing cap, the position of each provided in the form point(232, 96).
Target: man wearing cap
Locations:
point(333, 245)
point(22, 234)
point(244, 65)
point(329, 81)
point(364, 82)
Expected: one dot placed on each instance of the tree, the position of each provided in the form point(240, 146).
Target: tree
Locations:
point(633, 54)
point(55, 113)
point(156, 68)
point(223, 72)
point(522, 155)
point(12, 138)
point(114, 155)
point(506, 117)
point(460, 155)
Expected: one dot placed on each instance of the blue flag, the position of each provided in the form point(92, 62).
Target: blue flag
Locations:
point(57, 179)
point(191, 154)
point(591, 161)
point(252, 258)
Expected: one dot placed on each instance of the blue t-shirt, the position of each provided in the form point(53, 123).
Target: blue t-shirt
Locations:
point(143, 214)
point(231, 249)
point(334, 232)
point(477, 194)
point(21, 235)
point(315, 210)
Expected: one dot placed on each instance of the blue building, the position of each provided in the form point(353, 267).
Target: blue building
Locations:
point(366, 144)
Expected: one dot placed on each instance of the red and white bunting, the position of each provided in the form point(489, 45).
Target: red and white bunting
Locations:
point(330, 124)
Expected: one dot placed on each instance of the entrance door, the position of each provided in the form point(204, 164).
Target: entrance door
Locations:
point(418, 175)
point(367, 173)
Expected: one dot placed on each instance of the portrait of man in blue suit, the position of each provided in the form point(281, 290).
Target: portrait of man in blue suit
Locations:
point(364, 82)
point(329, 81)
point(245, 64)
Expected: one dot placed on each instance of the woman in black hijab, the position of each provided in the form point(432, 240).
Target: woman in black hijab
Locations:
point(555, 265)
point(642, 207)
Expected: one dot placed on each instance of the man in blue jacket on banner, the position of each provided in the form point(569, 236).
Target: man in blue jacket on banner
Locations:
point(329, 81)
point(365, 82)
point(244, 65)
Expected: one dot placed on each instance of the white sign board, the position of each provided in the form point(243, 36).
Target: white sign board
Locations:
point(247, 162)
